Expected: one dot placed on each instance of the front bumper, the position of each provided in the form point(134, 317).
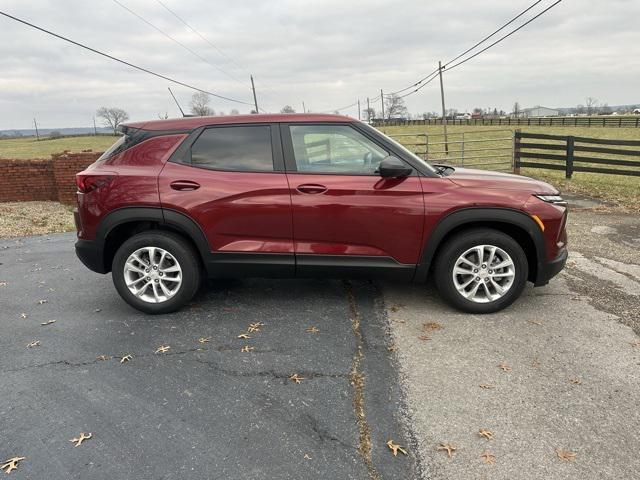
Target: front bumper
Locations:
point(548, 270)
point(90, 253)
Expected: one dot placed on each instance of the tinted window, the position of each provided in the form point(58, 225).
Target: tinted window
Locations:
point(334, 149)
point(234, 148)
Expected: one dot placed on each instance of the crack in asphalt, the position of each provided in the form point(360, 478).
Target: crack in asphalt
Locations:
point(356, 379)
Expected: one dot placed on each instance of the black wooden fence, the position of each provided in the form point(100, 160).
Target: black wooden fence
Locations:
point(594, 121)
point(575, 154)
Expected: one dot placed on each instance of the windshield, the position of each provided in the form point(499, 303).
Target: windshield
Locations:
point(402, 148)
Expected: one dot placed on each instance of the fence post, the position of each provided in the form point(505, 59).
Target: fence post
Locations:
point(569, 165)
point(516, 151)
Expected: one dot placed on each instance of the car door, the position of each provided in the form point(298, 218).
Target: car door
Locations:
point(346, 218)
point(230, 180)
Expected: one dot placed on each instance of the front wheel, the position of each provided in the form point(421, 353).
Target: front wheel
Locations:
point(156, 272)
point(481, 271)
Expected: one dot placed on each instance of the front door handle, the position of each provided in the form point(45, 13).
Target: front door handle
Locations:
point(311, 188)
point(183, 185)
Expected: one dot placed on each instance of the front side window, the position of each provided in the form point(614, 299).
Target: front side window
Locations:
point(240, 149)
point(334, 149)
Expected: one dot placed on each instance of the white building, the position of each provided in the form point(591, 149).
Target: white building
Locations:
point(539, 112)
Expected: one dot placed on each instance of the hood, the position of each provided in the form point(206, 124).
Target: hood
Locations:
point(471, 178)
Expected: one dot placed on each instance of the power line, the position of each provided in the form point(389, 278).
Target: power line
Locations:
point(111, 57)
point(191, 51)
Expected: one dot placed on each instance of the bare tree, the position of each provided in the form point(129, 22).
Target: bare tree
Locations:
point(591, 104)
point(112, 117)
point(287, 109)
point(234, 111)
point(394, 106)
point(580, 109)
point(200, 105)
point(516, 109)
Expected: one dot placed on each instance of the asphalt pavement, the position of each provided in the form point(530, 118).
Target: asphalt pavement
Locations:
point(202, 408)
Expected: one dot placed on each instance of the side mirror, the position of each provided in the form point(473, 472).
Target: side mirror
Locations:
point(392, 167)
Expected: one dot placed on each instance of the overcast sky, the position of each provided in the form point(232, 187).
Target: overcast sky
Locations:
point(325, 53)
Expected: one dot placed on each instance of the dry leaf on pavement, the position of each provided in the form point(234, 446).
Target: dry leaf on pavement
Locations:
point(296, 378)
point(576, 381)
point(565, 455)
point(255, 327)
point(204, 339)
point(312, 329)
point(48, 322)
point(488, 434)
point(449, 447)
point(424, 338)
point(635, 344)
point(126, 358)
point(11, 464)
point(486, 386)
point(78, 441)
point(488, 457)
point(505, 367)
point(103, 357)
point(244, 336)
point(431, 326)
point(41, 302)
point(23, 315)
point(246, 349)
point(395, 448)
point(3, 284)
point(35, 343)
point(162, 349)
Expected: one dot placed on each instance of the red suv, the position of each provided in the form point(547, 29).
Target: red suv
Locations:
point(173, 201)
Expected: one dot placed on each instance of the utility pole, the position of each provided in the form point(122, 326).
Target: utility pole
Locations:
point(368, 111)
point(444, 112)
point(37, 134)
point(382, 102)
point(255, 100)
point(95, 130)
point(304, 108)
point(358, 109)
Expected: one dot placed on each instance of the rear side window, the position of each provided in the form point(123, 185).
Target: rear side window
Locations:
point(242, 148)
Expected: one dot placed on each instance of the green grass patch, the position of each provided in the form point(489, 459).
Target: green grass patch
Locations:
point(29, 147)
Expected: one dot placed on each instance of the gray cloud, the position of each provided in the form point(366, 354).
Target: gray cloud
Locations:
point(325, 53)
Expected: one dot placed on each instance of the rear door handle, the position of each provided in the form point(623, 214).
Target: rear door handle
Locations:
point(183, 185)
point(311, 188)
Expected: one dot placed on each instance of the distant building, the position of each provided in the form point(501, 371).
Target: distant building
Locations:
point(539, 112)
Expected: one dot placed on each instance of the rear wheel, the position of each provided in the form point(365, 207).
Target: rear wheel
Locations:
point(481, 271)
point(156, 272)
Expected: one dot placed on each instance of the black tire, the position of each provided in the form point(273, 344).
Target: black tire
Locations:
point(176, 246)
point(456, 246)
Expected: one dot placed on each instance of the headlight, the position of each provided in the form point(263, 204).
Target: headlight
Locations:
point(555, 199)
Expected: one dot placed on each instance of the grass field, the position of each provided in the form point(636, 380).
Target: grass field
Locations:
point(29, 147)
point(618, 190)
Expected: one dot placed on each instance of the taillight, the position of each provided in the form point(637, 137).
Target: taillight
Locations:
point(88, 183)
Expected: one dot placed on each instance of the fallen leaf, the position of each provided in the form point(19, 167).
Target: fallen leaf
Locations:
point(11, 464)
point(307, 456)
point(41, 302)
point(244, 336)
point(486, 386)
point(431, 326)
point(505, 367)
point(395, 448)
point(35, 343)
point(78, 441)
point(488, 434)
point(48, 322)
point(488, 458)
point(97, 310)
point(635, 344)
point(296, 378)
point(23, 315)
point(576, 381)
point(3, 284)
point(391, 348)
point(162, 349)
point(424, 338)
point(312, 329)
point(102, 357)
point(204, 339)
point(449, 447)
point(126, 358)
point(565, 455)
point(246, 349)
point(255, 327)
point(535, 363)
point(535, 322)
